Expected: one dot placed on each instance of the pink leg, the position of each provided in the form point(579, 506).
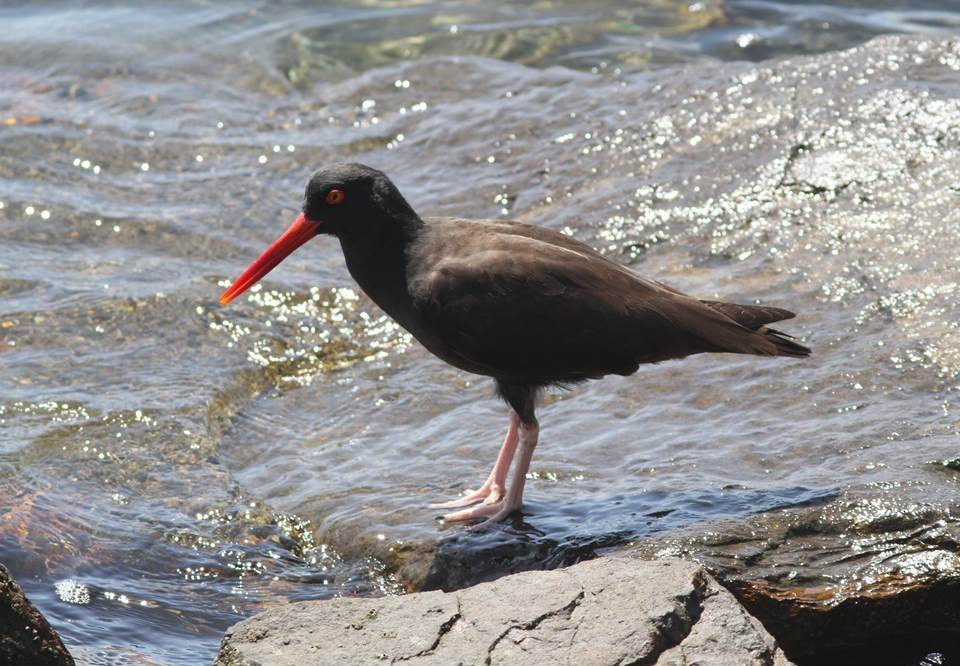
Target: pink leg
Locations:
point(494, 487)
point(496, 511)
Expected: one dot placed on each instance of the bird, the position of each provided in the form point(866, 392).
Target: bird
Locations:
point(530, 307)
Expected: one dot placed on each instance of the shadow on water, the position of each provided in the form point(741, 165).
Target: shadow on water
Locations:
point(552, 536)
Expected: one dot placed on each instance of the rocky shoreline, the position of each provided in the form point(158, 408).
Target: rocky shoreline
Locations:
point(833, 581)
point(806, 585)
point(810, 585)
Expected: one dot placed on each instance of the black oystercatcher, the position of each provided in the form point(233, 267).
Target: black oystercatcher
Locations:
point(525, 305)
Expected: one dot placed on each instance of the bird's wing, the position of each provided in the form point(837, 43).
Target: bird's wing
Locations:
point(526, 309)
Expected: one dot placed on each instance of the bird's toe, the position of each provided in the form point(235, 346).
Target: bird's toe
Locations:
point(479, 511)
point(487, 493)
point(493, 512)
point(466, 500)
point(502, 514)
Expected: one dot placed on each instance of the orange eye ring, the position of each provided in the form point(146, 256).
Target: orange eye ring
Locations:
point(335, 197)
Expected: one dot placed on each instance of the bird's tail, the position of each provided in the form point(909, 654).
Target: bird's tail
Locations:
point(785, 344)
point(756, 318)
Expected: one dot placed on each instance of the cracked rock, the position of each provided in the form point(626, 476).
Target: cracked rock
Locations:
point(611, 610)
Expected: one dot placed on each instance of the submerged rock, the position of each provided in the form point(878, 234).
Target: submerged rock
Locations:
point(608, 611)
point(565, 535)
point(25, 635)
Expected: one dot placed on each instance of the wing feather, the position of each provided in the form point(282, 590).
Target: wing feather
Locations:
point(527, 309)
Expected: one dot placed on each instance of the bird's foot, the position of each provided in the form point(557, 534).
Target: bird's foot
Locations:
point(489, 493)
point(494, 512)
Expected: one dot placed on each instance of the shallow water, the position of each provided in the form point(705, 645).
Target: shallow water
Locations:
point(168, 467)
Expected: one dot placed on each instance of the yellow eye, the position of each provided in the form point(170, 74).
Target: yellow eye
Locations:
point(335, 197)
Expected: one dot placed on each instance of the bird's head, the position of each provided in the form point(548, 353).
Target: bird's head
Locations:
point(344, 200)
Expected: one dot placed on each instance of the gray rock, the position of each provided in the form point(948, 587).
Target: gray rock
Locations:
point(25, 635)
point(607, 611)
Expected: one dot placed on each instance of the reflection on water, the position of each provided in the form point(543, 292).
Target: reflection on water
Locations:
point(168, 466)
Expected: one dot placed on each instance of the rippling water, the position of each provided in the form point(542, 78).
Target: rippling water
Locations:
point(168, 467)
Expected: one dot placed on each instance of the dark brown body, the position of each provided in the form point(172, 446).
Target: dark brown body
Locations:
point(531, 307)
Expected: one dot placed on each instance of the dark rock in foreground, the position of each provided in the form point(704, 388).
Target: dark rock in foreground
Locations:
point(607, 611)
point(25, 635)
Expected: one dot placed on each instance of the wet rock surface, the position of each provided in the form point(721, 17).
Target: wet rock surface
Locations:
point(862, 580)
point(823, 184)
point(607, 611)
point(842, 168)
point(25, 635)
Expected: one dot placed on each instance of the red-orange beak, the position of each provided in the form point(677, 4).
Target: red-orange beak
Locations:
point(302, 230)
